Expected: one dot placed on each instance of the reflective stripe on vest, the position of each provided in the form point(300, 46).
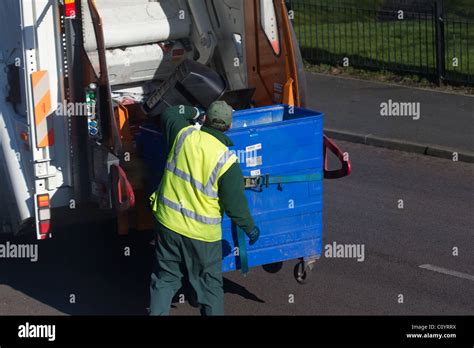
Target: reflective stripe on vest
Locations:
point(188, 213)
point(208, 188)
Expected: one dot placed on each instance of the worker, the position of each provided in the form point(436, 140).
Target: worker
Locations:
point(202, 180)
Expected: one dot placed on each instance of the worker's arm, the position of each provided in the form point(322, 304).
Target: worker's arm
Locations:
point(232, 198)
point(173, 120)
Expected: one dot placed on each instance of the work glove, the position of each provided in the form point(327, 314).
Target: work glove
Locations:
point(200, 113)
point(253, 235)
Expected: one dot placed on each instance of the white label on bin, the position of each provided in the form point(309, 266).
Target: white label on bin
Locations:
point(252, 148)
point(255, 172)
point(254, 161)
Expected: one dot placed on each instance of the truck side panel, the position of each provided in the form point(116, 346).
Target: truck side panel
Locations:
point(15, 155)
point(31, 45)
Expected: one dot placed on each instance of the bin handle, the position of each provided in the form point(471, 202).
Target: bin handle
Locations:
point(346, 164)
point(120, 181)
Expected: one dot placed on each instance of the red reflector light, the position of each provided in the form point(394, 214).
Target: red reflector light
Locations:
point(70, 8)
point(43, 201)
point(178, 52)
point(44, 227)
point(24, 136)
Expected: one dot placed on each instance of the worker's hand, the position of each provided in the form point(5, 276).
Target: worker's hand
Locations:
point(253, 235)
point(200, 116)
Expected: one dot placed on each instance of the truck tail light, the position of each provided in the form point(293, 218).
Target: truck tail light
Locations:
point(45, 227)
point(43, 201)
point(70, 8)
point(43, 216)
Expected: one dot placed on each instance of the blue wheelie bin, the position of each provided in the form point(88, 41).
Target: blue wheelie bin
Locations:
point(280, 150)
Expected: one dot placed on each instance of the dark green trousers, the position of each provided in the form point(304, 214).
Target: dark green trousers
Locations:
point(177, 256)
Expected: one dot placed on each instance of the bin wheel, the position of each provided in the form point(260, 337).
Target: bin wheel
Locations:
point(301, 272)
point(273, 267)
point(303, 269)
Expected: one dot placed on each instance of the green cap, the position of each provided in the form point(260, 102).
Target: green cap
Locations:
point(220, 112)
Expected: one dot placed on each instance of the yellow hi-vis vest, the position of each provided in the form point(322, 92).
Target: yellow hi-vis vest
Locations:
point(187, 200)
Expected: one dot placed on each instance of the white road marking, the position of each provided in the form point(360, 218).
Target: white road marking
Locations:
point(448, 272)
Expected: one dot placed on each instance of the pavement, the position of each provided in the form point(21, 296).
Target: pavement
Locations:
point(90, 262)
point(353, 113)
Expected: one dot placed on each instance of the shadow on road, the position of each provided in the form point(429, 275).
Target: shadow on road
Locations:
point(234, 288)
point(88, 270)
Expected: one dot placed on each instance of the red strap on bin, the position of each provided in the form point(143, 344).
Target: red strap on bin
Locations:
point(346, 164)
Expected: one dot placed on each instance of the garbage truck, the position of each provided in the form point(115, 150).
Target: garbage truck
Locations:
point(82, 82)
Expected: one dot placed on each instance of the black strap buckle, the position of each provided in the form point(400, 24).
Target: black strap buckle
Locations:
point(256, 182)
